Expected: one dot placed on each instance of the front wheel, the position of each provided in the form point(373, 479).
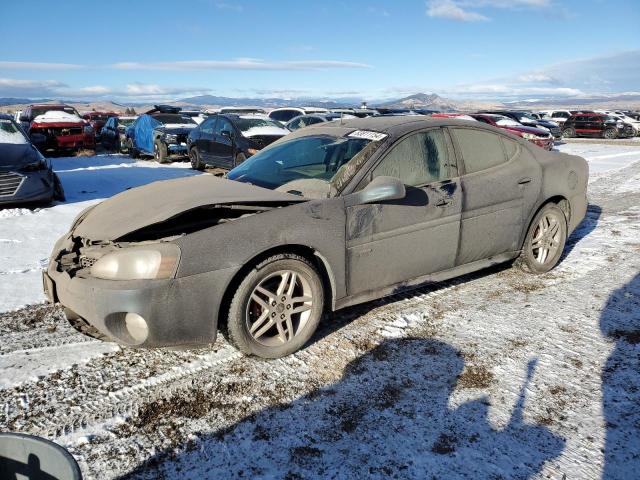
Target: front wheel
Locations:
point(276, 308)
point(568, 133)
point(160, 151)
point(610, 134)
point(545, 240)
point(194, 158)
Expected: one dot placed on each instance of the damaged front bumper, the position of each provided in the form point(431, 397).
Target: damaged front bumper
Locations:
point(143, 313)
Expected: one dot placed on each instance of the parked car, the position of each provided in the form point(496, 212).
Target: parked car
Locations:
point(312, 118)
point(242, 110)
point(632, 114)
point(595, 125)
point(623, 117)
point(161, 132)
point(62, 126)
point(113, 135)
point(195, 115)
point(25, 175)
point(227, 140)
point(329, 216)
point(526, 119)
point(558, 116)
point(283, 115)
point(541, 138)
point(356, 112)
point(458, 116)
point(97, 120)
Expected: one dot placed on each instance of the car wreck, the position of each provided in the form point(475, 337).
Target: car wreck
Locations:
point(329, 216)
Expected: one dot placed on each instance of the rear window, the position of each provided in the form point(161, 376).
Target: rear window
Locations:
point(480, 150)
point(284, 115)
point(167, 118)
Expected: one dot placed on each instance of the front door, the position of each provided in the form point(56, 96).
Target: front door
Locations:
point(205, 140)
point(396, 241)
point(499, 186)
point(222, 147)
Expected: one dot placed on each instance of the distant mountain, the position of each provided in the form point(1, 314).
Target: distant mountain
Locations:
point(15, 101)
point(212, 100)
point(618, 100)
point(436, 102)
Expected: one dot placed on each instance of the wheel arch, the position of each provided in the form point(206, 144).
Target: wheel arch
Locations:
point(309, 253)
point(560, 200)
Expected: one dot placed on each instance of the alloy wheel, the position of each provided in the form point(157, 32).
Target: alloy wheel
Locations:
point(546, 239)
point(279, 308)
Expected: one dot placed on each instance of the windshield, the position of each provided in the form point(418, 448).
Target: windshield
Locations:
point(171, 118)
point(126, 121)
point(303, 166)
point(10, 133)
point(42, 110)
point(247, 123)
point(525, 117)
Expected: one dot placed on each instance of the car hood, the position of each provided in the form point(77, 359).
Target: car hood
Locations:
point(260, 131)
point(157, 202)
point(15, 156)
point(523, 129)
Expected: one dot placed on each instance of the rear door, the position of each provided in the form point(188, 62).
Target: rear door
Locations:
point(500, 181)
point(392, 242)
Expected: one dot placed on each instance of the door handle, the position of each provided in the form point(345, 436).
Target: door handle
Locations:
point(442, 203)
point(524, 181)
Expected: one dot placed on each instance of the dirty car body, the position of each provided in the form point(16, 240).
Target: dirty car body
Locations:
point(371, 225)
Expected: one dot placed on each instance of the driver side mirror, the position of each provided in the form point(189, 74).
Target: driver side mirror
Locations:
point(380, 189)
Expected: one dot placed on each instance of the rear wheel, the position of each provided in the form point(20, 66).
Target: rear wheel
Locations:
point(610, 134)
point(545, 240)
point(568, 132)
point(160, 151)
point(240, 157)
point(276, 308)
point(194, 157)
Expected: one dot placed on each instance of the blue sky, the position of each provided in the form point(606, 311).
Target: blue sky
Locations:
point(148, 50)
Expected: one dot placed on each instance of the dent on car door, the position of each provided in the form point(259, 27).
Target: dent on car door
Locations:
point(499, 187)
point(396, 241)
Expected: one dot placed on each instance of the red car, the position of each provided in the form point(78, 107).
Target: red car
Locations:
point(541, 138)
point(98, 119)
point(61, 125)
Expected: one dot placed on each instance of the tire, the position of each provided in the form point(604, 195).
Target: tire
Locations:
point(569, 132)
point(240, 157)
point(610, 134)
point(258, 324)
point(533, 258)
point(160, 152)
point(58, 190)
point(194, 158)
point(133, 152)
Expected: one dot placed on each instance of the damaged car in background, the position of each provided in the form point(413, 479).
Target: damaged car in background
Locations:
point(63, 128)
point(161, 132)
point(329, 216)
point(25, 175)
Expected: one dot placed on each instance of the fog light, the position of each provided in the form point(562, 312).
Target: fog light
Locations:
point(136, 327)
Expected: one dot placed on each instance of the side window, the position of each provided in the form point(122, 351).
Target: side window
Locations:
point(511, 148)
point(483, 120)
point(480, 150)
point(208, 125)
point(296, 124)
point(284, 115)
point(222, 125)
point(418, 159)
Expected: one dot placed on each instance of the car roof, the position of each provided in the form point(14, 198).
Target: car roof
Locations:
point(6, 116)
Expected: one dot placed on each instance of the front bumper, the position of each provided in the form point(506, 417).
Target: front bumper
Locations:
point(178, 312)
point(177, 149)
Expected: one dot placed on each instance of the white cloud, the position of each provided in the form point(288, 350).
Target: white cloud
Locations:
point(40, 66)
point(10, 87)
point(452, 11)
point(537, 78)
point(459, 10)
point(240, 64)
point(229, 6)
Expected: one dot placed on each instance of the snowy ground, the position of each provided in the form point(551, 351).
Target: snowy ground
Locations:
point(496, 375)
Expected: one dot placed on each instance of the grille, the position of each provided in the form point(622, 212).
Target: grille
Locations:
point(556, 132)
point(66, 131)
point(263, 140)
point(9, 183)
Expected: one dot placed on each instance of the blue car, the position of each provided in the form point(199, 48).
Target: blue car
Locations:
point(25, 175)
point(161, 132)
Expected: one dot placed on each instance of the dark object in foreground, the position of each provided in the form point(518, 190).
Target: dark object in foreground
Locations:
point(25, 175)
point(329, 216)
point(31, 457)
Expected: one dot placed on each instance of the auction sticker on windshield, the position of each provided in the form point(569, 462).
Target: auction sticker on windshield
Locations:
point(368, 135)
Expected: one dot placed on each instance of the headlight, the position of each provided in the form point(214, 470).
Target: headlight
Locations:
point(252, 151)
point(138, 263)
point(88, 129)
point(529, 136)
point(171, 138)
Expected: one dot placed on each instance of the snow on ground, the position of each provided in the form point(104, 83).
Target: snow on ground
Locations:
point(27, 236)
point(498, 374)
